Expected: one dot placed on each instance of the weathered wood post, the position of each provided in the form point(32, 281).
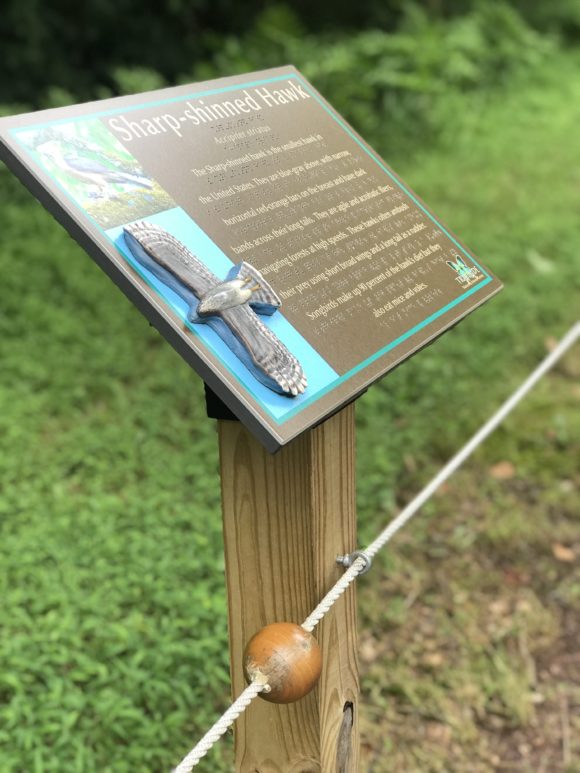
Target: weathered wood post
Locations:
point(286, 518)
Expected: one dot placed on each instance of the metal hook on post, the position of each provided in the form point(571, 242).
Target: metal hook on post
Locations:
point(348, 560)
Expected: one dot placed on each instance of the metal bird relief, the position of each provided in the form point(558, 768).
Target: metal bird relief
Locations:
point(230, 307)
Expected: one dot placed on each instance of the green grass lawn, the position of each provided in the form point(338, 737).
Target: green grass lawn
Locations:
point(113, 644)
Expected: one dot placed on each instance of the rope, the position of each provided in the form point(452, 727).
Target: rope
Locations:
point(409, 511)
point(219, 728)
point(364, 557)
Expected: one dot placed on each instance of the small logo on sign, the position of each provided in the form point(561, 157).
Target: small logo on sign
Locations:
point(465, 275)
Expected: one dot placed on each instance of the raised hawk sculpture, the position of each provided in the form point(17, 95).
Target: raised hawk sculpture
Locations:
point(230, 307)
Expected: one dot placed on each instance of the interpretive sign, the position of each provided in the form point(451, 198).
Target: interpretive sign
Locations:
point(273, 248)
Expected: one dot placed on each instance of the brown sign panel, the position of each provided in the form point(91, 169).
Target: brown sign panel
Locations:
point(274, 249)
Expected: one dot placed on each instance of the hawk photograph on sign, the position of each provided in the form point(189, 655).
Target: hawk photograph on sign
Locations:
point(276, 251)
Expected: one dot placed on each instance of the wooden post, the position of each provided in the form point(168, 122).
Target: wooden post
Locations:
point(286, 518)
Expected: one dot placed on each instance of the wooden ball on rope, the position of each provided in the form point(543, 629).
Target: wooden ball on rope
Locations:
point(288, 657)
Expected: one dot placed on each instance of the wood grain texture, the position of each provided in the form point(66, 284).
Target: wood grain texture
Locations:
point(286, 517)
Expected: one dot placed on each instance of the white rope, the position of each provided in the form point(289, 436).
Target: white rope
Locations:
point(219, 728)
point(409, 511)
point(362, 562)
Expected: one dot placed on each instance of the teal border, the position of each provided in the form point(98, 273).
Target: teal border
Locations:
point(249, 84)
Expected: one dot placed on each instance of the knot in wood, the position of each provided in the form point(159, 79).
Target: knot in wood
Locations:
point(288, 657)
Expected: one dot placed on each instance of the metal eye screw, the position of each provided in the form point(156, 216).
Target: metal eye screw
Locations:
point(349, 559)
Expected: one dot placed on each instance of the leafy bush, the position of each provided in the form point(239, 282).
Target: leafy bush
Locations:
point(397, 89)
point(390, 85)
point(50, 56)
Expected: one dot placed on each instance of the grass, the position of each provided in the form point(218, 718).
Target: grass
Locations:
point(113, 621)
point(464, 659)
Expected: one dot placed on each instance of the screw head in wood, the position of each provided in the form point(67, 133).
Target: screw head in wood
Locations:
point(288, 657)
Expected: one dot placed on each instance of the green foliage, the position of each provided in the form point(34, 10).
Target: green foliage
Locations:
point(79, 48)
point(494, 181)
point(113, 608)
point(395, 87)
point(404, 77)
point(132, 80)
point(51, 56)
point(561, 17)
